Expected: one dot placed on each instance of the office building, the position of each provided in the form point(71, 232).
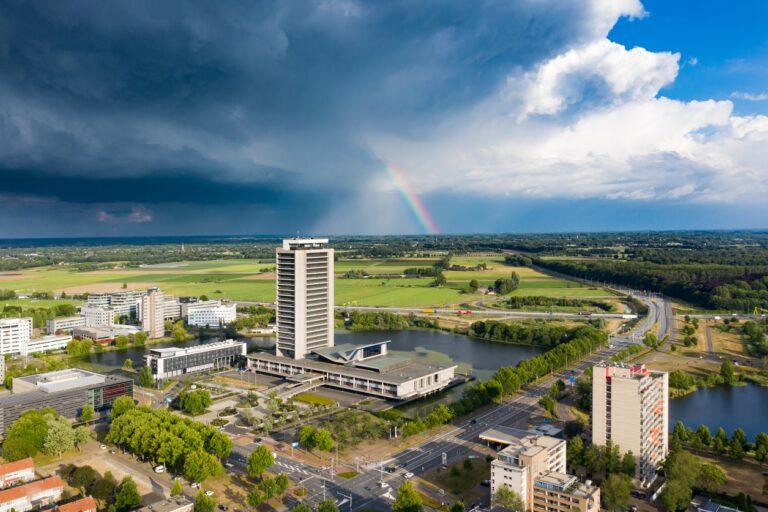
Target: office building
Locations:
point(66, 391)
point(123, 303)
point(86, 504)
point(14, 473)
point(172, 308)
point(15, 334)
point(65, 324)
point(212, 313)
point(533, 466)
point(152, 313)
point(630, 408)
point(103, 334)
point(178, 503)
point(46, 343)
point(175, 362)
point(366, 369)
point(98, 316)
point(304, 296)
point(32, 495)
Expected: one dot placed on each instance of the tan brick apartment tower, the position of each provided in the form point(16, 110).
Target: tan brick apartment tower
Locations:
point(630, 408)
point(304, 296)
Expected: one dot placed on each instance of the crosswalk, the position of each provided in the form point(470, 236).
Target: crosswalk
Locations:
point(293, 468)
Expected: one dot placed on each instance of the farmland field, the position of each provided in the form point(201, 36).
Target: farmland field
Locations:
point(242, 279)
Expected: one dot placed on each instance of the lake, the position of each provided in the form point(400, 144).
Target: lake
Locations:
point(743, 407)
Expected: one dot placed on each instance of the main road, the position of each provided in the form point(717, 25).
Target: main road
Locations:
point(373, 488)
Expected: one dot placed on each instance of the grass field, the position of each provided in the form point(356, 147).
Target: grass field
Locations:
point(241, 279)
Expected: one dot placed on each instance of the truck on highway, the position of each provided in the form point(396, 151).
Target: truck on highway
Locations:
point(428, 311)
point(464, 312)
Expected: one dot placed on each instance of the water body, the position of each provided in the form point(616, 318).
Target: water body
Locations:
point(743, 407)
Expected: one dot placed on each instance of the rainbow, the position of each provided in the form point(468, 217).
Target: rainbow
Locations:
point(414, 201)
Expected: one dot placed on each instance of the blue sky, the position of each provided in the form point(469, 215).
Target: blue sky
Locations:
point(185, 118)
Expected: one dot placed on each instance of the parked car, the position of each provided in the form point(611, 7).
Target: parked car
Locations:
point(159, 469)
point(408, 475)
point(209, 492)
point(194, 485)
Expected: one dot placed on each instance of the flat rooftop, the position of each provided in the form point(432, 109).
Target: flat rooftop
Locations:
point(169, 505)
point(178, 351)
point(399, 375)
point(63, 380)
point(503, 435)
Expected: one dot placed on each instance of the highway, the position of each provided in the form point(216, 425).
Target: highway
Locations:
point(375, 489)
point(500, 313)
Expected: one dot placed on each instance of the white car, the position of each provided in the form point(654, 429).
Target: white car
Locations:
point(209, 492)
point(103, 446)
point(194, 485)
point(408, 475)
point(159, 469)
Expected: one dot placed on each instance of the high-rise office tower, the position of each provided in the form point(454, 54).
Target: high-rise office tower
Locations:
point(630, 408)
point(304, 296)
point(153, 313)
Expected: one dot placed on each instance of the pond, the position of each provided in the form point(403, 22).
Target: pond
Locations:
point(743, 407)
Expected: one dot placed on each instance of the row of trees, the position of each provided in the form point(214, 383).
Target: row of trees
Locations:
point(385, 321)
point(506, 285)
point(112, 496)
point(737, 446)
point(538, 334)
point(540, 300)
point(183, 445)
point(42, 431)
point(39, 315)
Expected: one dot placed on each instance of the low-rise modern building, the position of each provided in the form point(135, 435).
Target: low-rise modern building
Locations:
point(98, 316)
point(104, 334)
point(86, 504)
point(15, 334)
point(173, 504)
point(533, 466)
point(49, 342)
point(171, 308)
point(66, 391)
point(366, 369)
point(32, 495)
point(630, 408)
point(14, 473)
point(211, 313)
point(171, 362)
point(57, 325)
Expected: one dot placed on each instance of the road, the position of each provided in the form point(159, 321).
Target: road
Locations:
point(375, 489)
point(496, 313)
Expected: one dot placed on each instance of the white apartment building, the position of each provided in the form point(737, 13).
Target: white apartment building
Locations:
point(49, 342)
point(304, 296)
point(15, 334)
point(98, 316)
point(152, 313)
point(630, 408)
point(124, 303)
point(68, 323)
point(210, 313)
point(172, 308)
point(533, 466)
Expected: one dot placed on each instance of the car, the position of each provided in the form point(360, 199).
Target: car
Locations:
point(194, 485)
point(209, 492)
point(223, 507)
point(473, 421)
point(229, 464)
point(632, 508)
point(112, 452)
point(274, 455)
point(159, 469)
point(765, 473)
point(408, 475)
point(103, 446)
point(486, 483)
point(390, 469)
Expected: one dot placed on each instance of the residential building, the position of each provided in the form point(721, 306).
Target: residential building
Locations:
point(178, 503)
point(174, 362)
point(66, 391)
point(304, 296)
point(210, 313)
point(630, 408)
point(123, 303)
point(98, 316)
point(533, 466)
point(710, 506)
point(57, 325)
point(86, 504)
point(32, 495)
point(15, 334)
point(46, 343)
point(14, 473)
point(152, 313)
point(366, 369)
point(171, 308)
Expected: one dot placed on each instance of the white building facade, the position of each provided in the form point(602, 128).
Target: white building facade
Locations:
point(46, 343)
point(55, 325)
point(304, 296)
point(152, 313)
point(210, 313)
point(98, 316)
point(15, 334)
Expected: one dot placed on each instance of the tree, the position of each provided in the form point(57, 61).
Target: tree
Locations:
point(103, 489)
point(220, 445)
point(507, 498)
point(127, 497)
point(704, 435)
point(473, 286)
point(146, 379)
point(84, 477)
point(307, 437)
point(82, 436)
point(323, 440)
point(615, 491)
point(467, 465)
point(301, 507)
point(256, 497)
point(60, 437)
point(727, 372)
point(327, 506)
point(26, 436)
point(87, 413)
point(628, 464)
point(407, 499)
point(736, 449)
point(711, 478)
point(204, 503)
point(259, 460)
point(139, 339)
point(128, 363)
point(177, 488)
point(458, 507)
point(121, 405)
point(194, 402)
point(676, 495)
point(199, 465)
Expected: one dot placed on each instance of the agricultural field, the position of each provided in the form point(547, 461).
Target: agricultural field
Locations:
point(251, 280)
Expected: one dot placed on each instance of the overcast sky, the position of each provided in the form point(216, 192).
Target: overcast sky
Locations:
point(132, 118)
